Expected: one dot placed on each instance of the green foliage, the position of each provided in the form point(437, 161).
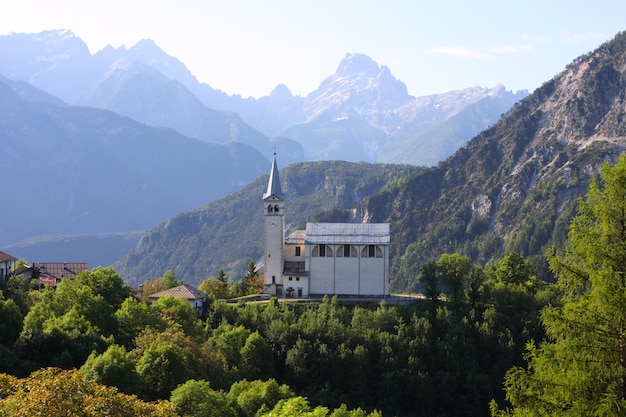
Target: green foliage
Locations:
point(255, 397)
point(115, 368)
point(72, 334)
point(215, 289)
point(228, 341)
point(580, 368)
point(429, 278)
point(177, 311)
point(10, 321)
point(197, 399)
point(132, 318)
point(257, 358)
point(73, 294)
point(455, 270)
point(106, 283)
point(169, 279)
point(328, 358)
point(162, 367)
point(296, 407)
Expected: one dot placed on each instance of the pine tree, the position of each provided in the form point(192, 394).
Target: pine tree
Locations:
point(581, 369)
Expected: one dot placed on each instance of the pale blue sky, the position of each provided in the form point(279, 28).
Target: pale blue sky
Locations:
point(247, 47)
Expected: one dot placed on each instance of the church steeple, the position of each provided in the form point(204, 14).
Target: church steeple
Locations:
point(274, 233)
point(273, 186)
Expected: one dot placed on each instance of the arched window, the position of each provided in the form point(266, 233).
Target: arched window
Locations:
point(270, 208)
point(371, 251)
point(346, 251)
point(322, 251)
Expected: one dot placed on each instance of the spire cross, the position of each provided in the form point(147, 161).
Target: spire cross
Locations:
point(275, 149)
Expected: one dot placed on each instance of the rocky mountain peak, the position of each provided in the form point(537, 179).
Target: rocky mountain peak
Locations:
point(357, 64)
point(280, 92)
point(359, 86)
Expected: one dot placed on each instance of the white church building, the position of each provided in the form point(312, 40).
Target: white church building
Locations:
point(350, 259)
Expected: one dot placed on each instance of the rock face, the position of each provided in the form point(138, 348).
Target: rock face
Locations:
point(359, 87)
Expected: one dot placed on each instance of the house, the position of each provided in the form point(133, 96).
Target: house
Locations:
point(7, 262)
point(194, 297)
point(350, 259)
point(49, 274)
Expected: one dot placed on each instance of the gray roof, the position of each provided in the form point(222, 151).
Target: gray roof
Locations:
point(273, 185)
point(347, 233)
point(296, 238)
point(182, 291)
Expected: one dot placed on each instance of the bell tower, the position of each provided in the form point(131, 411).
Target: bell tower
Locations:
point(273, 232)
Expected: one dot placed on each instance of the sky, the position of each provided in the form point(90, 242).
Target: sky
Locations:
point(248, 47)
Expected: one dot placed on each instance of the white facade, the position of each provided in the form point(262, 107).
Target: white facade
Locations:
point(348, 258)
point(295, 274)
point(325, 259)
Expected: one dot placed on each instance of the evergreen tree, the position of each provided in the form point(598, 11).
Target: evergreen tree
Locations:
point(581, 369)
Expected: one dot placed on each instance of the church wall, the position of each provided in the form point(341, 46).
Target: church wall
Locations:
point(322, 275)
point(374, 274)
point(299, 285)
point(347, 276)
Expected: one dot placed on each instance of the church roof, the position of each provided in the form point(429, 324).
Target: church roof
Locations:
point(273, 185)
point(347, 233)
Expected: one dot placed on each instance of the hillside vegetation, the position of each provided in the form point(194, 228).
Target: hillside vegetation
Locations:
point(227, 233)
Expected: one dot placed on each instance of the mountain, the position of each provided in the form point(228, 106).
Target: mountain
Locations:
point(363, 113)
point(142, 82)
point(360, 113)
point(76, 170)
point(515, 186)
point(227, 233)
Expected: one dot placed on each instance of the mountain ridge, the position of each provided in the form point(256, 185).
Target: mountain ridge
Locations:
point(127, 81)
point(514, 187)
point(87, 170)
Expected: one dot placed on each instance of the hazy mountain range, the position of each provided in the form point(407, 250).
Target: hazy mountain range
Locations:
point(360, 113)
point(101, 146)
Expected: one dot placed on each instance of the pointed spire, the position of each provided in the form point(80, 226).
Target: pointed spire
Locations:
point(273, 186)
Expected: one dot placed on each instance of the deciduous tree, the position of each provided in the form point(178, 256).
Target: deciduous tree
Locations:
point(162, 367)
point(114, 368)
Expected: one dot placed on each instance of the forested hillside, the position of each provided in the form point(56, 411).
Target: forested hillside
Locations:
point(440, 356)
point(227, 233)
point(90, 348)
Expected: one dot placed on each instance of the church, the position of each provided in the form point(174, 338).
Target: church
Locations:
point(344, 259)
